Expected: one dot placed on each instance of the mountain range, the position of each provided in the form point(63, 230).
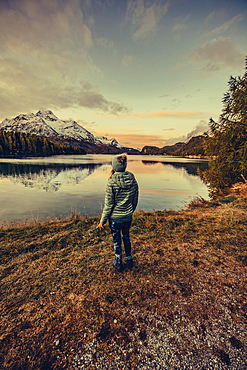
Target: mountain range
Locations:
point(45, 123)
point(194, 146)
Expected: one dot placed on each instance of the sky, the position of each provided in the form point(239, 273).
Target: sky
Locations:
point(147, 72)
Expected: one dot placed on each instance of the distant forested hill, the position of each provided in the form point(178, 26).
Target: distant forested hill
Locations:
point(193, 147)
point(16, 143)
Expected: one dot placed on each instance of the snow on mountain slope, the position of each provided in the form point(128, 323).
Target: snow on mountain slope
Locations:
point(45, 123)
point(67, 128)
point(28, 123)
point(106, 141)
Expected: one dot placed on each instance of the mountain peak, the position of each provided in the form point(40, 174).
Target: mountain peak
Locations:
point(47, 114)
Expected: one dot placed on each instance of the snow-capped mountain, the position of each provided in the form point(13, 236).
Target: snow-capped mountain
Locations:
point(104, 140)
point(45, 123)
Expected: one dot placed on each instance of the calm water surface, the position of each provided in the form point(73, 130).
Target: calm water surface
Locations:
point(37, 188)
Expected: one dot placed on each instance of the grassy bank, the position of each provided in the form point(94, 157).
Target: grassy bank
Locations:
point(59, 291)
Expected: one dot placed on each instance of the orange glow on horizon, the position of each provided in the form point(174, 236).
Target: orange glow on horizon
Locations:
point(136, 140)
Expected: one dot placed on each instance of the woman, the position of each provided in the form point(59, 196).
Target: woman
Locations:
point(120, 202)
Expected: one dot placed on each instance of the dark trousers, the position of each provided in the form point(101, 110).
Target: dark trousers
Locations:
point(120, 230)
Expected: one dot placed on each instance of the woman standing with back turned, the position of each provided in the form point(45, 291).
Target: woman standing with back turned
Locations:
point(120, 202)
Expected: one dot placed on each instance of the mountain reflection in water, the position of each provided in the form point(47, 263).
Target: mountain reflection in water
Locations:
point(53, 187)
point(46, 177)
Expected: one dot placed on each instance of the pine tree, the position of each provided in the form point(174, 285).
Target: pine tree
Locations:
point(45, 147)
point(227, 142)
point(22, 143)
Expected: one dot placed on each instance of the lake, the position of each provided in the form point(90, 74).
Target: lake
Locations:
point(37, 188)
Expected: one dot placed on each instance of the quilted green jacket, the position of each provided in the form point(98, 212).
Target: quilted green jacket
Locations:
point(121, 196)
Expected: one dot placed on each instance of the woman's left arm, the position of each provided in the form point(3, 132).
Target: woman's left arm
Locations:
point(135, 197)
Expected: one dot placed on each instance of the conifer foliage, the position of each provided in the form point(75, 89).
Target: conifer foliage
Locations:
point(226, 144)
point(21, 144)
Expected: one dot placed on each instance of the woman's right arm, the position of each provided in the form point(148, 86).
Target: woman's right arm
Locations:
point(109, 204)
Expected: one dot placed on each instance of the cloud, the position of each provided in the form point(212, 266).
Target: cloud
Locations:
point(180, 24)
point(163, 96)
point(179, 27)
point(225, 26)
point(44, 48)
point(170, 114)
point(105, 43)
point(176, 102)
point(127, 59)
point(32, 86)
point(89, 96)
point(144, 16)
point(210, 17)
point(173, 114)
point(174, 140)
point(178, 66)
point(218, 54)
point(88, 125)
point(168, 129)
point(199, 129)
point(44, 24)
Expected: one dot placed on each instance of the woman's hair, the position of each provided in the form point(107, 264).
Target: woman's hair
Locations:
point(111, 173)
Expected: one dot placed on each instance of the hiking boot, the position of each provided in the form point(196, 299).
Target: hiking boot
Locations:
point(118, 266)
point(130, 264)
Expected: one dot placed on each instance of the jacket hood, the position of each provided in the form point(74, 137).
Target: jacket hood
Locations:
point(123, 179)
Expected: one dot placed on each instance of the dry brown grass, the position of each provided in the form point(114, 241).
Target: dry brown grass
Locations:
point(59, 290)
